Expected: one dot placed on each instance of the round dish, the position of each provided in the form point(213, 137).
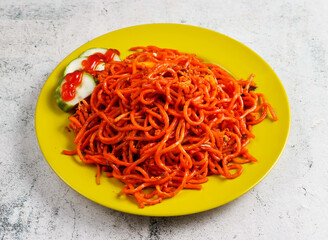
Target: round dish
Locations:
point(271, 137)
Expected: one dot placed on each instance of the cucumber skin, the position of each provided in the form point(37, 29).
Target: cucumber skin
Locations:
point(83, 54)
point(60, 102)
point(86, 55)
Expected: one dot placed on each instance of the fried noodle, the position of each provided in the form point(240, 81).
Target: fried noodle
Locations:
point(165, 120)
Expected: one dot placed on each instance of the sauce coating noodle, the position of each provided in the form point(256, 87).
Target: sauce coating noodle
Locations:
point(165, 120)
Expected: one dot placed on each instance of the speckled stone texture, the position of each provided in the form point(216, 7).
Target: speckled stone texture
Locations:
point(290, 203)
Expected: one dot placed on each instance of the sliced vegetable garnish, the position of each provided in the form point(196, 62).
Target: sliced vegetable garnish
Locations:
point(74, 65)
point(110, 54)
point(82, 90)
point(79, 76)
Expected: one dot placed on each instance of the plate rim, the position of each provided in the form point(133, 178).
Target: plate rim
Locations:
point(240, 193)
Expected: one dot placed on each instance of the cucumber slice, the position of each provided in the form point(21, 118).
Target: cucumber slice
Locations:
point(74, 65)
point(82, 91)
point(117, 58)
point(100, 67)
point(92, 51)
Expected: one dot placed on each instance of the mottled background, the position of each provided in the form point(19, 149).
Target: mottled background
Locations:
point(291, 203)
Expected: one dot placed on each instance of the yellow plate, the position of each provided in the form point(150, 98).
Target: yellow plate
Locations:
point(271, 137)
